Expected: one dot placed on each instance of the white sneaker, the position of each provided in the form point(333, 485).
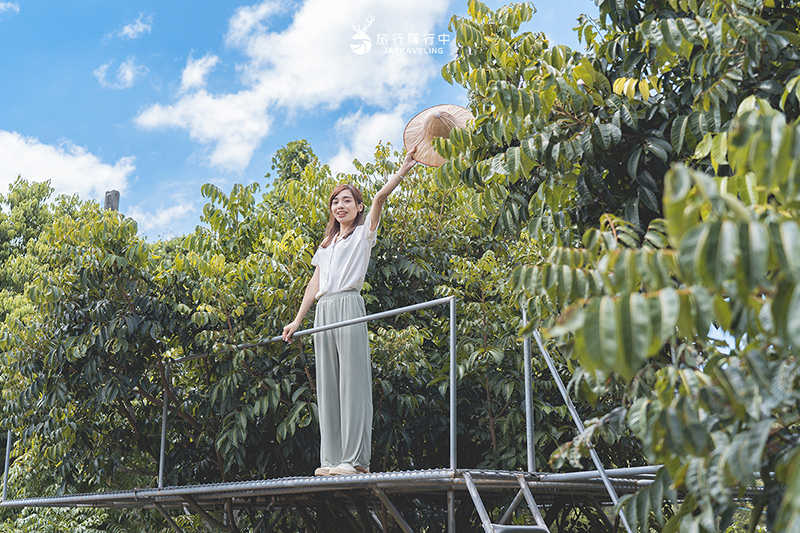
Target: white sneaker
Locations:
point(346, 469)
point(323, 471)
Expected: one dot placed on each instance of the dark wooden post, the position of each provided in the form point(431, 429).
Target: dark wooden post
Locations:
point(112, 200)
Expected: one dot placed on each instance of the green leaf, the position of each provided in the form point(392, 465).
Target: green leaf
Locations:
point(698, 125)
point(792, 316)
point(723, 251)
point(690, 254)
point(648, 198)
point(664, 311)
point(658, 147)
point(514, 163)
point(786, 239)
point(628, 118)
point(743, 456)
point(633, 163)
point(607, 134)
point(703, 148)
point(754, 239)
point(788, 517)
point(672, 36)
point(678, 132)
point(637, 332)
point(719, 150)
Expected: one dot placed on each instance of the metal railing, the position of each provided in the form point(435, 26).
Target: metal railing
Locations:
point(303, 332)
point(579, 425)
point(451, 300)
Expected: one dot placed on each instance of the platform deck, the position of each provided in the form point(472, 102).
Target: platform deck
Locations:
point(261, 493)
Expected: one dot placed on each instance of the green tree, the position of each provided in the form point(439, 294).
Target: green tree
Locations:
point(86, 396)
point(28, 210)
point(657, 172)
point(291, 160)
point(24, 213)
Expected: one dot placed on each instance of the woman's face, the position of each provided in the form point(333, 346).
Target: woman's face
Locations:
point(344, 208)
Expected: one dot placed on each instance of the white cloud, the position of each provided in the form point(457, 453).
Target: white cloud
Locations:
point(135, 29)
point(194, 75)
point(8, 7)
point(307, 66)
point(128, 74)
point(248, 19)
point(162, 220)
point(360, 133)
point(70, 168)
point(235, 122)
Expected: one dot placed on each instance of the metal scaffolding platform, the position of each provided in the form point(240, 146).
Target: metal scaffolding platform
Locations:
point(378, 488)
point(420, 482)
point(600, 487)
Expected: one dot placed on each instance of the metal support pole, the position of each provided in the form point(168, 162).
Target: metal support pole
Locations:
point(167, 517)
point(511, 508)
point(451, 495)
point(611, 472)
point(526, 347)
point(451, 511)
point(526, 491)
point(476, 499)
point(164, 414)
point(396, 514)
point(453, 378)
point(579, 424)
point(9, 436)
point(210, 520)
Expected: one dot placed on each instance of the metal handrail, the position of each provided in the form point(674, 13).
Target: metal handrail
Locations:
point(579, 425)
point(385, 314)
point(527, 366)
point(352, 321)
point(451, 300)
point(8, 457)
point(631, 471)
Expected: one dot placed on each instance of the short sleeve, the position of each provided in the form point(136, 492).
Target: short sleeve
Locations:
point(315, 259)
point(369, 235)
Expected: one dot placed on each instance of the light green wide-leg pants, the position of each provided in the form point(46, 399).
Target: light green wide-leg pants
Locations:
point(344, 381)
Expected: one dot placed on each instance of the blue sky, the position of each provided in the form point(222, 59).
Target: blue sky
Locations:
point(155, 99)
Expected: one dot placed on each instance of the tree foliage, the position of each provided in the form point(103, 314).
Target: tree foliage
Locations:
point(640, 198)
point(106, 313)
point(659, 171)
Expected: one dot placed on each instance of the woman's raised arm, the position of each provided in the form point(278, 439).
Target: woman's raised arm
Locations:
point(391, 184)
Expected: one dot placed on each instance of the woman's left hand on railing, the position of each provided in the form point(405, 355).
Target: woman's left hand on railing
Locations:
point(289, 329)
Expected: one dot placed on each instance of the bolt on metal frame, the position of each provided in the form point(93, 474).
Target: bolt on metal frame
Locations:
point(524, 490)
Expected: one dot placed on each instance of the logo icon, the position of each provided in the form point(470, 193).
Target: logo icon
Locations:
point(364, 43)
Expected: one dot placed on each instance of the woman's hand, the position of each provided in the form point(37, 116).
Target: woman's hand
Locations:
point(408, 163)
point(289, 329)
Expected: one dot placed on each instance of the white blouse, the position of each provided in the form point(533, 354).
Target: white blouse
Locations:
point(343, 264)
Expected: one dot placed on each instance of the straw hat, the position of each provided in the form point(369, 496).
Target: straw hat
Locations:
point(436, 121)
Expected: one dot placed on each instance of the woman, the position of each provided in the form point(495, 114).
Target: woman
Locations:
point(344, 370)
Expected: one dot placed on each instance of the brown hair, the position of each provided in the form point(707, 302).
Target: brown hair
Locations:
point(333, 225)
